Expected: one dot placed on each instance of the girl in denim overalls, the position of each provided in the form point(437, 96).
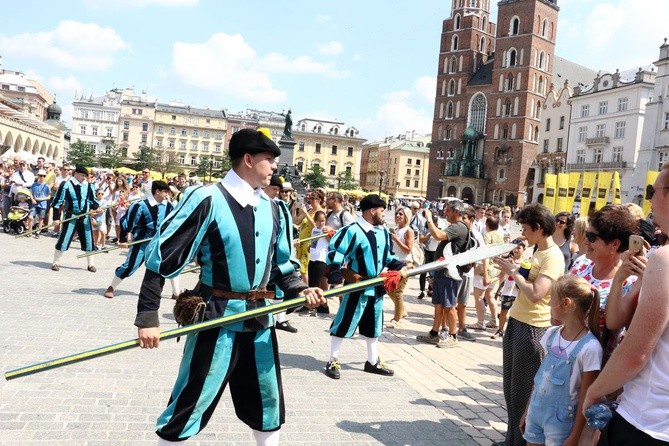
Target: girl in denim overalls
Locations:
point(572, 362)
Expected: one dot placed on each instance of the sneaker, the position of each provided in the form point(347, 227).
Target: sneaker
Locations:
point(332, 369)
point(443, 334)
point(285, 326)
point(467, 336)
point(499, 334)
point(109, 292)
point(379, 368)
point(36, 235)
point(92, 269)
point(421, 295)
point(55, 267)
point(428, 339)
point(308, 313)
point(448, 343)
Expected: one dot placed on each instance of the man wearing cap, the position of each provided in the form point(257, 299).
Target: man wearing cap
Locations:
point(237, 234)
point(142, 219)
point(76, 197)
point(366, 245)
point(273, 191)
point(41, 193)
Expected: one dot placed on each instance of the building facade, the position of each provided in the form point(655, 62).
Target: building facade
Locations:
point(95, 121)
point(488, 110)
point(330, 145)
point(188, 135)
point(607, 119)
point(654, 150)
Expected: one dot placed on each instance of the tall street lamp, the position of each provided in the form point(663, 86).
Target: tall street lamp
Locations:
point(381, 174)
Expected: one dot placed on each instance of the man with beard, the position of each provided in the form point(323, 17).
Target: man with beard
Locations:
point(365, 244)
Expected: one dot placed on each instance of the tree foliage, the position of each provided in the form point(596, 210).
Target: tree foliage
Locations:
point(112, 158)
point(346, 181)
point(315, 178)
point(82, 154)
point(166, 162)
point(146, 158)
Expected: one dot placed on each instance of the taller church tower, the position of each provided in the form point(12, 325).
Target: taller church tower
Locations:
point(491, 83)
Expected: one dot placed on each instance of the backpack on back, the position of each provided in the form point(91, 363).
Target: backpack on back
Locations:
point(471, 243)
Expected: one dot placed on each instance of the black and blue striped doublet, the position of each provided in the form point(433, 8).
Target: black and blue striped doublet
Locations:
point(78, 198)
point(367, 253)
point(239, 248)
point(142, 220)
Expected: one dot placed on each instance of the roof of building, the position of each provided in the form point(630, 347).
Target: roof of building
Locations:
point(187, 109)
point(565, 70)
point(483, 75)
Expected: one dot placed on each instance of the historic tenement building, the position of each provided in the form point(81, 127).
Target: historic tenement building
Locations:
point(491, 85)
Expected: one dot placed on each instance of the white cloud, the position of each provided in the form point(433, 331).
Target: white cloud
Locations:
point(333, 48)
point(425, 88)
point(125, 4)
point(227, 65)
point(607, 35)
point(356, 58)
point(322, 18)
point(394, 118)
point(73, 45)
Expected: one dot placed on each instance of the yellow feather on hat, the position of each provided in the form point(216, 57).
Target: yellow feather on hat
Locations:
point(265, 131)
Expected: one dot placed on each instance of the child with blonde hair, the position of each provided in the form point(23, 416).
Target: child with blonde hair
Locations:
point(554, 415)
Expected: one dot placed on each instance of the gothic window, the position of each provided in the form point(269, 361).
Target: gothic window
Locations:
point(509, 82)
point(454, 43)
point(544, 28)
point(482, 45)
point(456, 26)
point(540, 88)
point(505, 131)
point(477, 113)
point(451, 87)
point(542, 58)
point(441, 110)
point(514, 27)
point(512, 58)
point(454, 63)
point(537, 111)
point(484, 24)
point(449, 110)
point(507, 107)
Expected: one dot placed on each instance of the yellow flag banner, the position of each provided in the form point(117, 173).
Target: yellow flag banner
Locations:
point(550, 185)
point(616, 188)
point(603, 188)
point(562, 187)
point(587, 192)
point(651, 176)
point(574, 178)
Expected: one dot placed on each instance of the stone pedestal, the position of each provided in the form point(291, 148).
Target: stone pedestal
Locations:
point(287, 146)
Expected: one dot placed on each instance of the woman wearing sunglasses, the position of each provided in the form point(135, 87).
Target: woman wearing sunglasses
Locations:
point(564, 226)
point(606, 238)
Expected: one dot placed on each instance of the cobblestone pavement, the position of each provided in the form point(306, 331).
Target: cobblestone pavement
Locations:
point(437, 396)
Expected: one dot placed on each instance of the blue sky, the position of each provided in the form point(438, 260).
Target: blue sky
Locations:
point(370, 63)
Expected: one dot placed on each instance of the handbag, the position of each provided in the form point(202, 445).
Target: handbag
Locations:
point(417, 254)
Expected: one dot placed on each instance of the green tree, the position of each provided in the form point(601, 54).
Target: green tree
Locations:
point(82, 154)
point(166, 162)
point(346, 181)
point(217, 166)
point(146, 157)
point(112, 157)
point(315, 178)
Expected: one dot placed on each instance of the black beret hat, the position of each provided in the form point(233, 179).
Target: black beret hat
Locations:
point(276, 181)
point(252, 141)
point(80, 169)
point(372, 201)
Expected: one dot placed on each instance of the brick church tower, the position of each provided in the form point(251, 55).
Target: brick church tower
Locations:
point(491, 83)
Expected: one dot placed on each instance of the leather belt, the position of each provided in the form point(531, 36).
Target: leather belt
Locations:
point(249, 295)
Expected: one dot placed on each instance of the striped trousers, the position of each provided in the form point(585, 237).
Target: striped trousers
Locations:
point(82, 226)
point(132, 262)
point(249, 361)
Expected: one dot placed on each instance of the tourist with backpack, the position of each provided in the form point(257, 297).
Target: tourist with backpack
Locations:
point(445, 288)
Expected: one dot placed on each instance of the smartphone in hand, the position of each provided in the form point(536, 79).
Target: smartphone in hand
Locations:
point(635, 245)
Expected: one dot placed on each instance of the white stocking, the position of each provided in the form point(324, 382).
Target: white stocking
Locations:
point(372, 349)
point(162, 442)
point(335, 346)
point(56, 256)
point(266, 438)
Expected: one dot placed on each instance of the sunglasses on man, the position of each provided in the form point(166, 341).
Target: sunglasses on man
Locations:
point(592, 236)
point(650, 191)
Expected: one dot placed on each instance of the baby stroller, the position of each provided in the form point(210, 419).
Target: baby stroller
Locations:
point(16, 220)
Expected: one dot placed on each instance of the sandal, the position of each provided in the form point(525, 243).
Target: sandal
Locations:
point(393, 324)
point(491, 324)
point(476, 326)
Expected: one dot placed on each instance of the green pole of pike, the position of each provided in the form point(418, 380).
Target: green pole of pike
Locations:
point(66, 220)
point(113, 248)
point(450, 262)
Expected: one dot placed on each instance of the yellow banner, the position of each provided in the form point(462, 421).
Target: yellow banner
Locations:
point(616, 188)
point(574, 178)
point(603, 188)
point(587, 192)
point(562, 187)
point(550, 184)
point(651, 176)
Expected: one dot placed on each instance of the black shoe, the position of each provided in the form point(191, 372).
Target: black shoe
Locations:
point(332, 369)
point(421, 295)
point(323, 309)
point(379, 368)
point(302, 309)
point(285, 326)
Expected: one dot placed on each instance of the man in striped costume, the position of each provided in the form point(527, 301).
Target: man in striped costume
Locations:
point(366, 245)
point(77, 197)
point(237, 235)
point(142, 220)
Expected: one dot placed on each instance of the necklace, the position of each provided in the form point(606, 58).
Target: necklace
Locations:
point(562, 350)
